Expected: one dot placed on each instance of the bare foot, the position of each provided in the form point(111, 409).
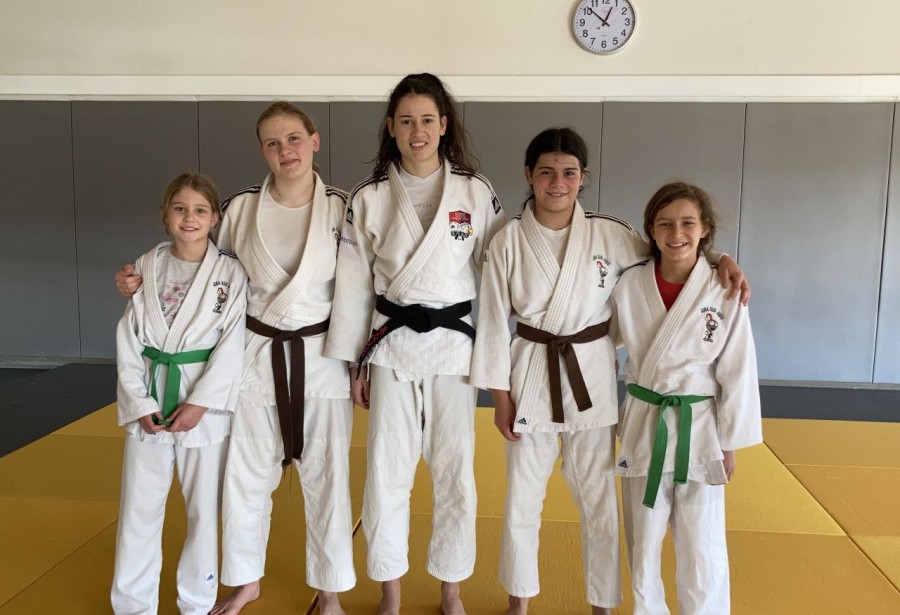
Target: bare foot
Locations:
point(517, 606)
point(600, 610)
point(390, 598)
point(238, 599)
point(329, 604)
point(450, 602)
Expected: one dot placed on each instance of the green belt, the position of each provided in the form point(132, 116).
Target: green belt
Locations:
point(173, 379)
point(683, 445)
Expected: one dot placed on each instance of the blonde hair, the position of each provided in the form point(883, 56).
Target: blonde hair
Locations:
point(283, 107)
point(197, 182)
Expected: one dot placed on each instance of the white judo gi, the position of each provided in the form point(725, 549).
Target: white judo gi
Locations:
point(211, 316)
point(421, 401)
point(523, 279)
point(702, 346)
point(254, 468)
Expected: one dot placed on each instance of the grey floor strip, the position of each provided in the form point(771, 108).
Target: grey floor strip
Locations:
point(35, 405)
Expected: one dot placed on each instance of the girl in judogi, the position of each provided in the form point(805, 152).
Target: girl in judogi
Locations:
point(693, 398)
point(179, 348)
point(294, 404)
point(553, 269)
point(413, 239)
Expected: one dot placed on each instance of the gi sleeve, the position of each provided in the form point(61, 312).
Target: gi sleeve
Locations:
point(493, 221)
point(223, 233)
point(132, 392)
point(738, 414)
point(633, 248)
point(491, 362)
point(354, 292)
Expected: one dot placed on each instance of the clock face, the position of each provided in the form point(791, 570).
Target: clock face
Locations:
point(603, 26)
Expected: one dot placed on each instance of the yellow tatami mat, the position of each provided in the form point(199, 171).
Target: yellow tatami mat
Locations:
point(37, 533)
point(834, 443)
point(788, 509)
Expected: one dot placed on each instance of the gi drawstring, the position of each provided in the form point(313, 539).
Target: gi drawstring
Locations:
point(683, 444)
point(289, 397)
point(561, 346)
point(173, 379)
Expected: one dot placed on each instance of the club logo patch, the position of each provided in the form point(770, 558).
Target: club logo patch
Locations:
point(460, 225)
point(602, 264)
point(710, 323)
point(221, 296)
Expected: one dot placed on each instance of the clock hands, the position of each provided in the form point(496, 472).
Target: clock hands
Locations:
point(603, 20)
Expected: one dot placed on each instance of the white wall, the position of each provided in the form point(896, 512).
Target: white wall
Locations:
point(769, 48)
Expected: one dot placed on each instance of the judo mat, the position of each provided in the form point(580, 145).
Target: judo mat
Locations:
point(813, 521)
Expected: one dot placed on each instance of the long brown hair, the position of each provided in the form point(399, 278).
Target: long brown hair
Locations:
point(454, 145)
point(674, 191)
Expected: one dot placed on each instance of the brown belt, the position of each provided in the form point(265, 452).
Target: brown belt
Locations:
point(289, 399)
point(561, 345)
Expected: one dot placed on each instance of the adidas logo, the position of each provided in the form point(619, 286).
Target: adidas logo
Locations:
point(522, 421)
point(210, 577)
point(623, 464)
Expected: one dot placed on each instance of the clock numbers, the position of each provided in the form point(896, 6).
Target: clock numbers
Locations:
point(603, 26)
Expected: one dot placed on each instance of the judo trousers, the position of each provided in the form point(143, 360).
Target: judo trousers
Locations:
point(587, 466)
point(254, 471)
point(432, 417)
point(696, 513)
point(147, 473)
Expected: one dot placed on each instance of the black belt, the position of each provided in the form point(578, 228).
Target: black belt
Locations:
point(289, 399)
point(419, 318)
point(561, 345)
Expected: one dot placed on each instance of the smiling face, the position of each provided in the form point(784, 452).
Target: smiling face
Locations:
point(189, 217)
point(555, 180)
point(287, 147)
point(417, 127)
point(677, 230)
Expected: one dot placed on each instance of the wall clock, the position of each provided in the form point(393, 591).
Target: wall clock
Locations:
point(603, 26)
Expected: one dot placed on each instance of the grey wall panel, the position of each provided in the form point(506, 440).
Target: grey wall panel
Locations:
point(501, 132)
point(229, 149)
point(647, 144)
point(39, 310)
point(887, 347)
point(125, 154)
point(814, 198)
point(354, 141)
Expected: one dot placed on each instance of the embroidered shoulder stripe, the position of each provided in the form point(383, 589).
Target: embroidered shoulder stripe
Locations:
point(248, 190)
point(372, 179)
point(227, 253)
point(594, 214)
point(332, 191)
point(640, 264)
point(495, 202)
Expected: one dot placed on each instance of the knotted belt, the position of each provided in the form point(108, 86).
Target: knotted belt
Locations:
point(683, 445)
point(173, 377)
point(561, 346)
point(419, 318)
point(289, 399)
